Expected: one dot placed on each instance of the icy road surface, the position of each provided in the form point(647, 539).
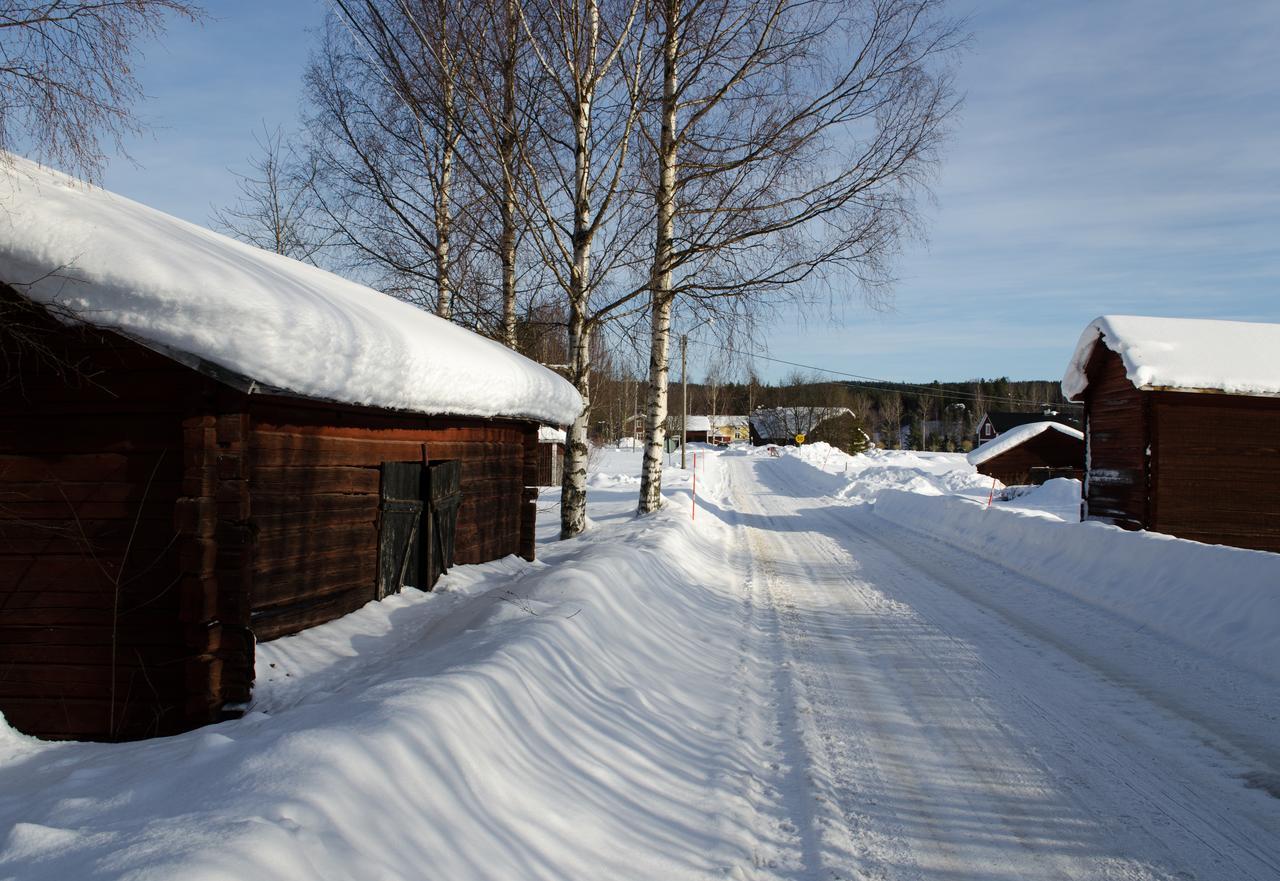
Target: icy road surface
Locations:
point(934, 718)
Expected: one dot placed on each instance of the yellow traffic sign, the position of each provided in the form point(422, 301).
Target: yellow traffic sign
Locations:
point(799, 438)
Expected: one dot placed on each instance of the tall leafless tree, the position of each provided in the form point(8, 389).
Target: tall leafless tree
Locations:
point(386, 123)
point(67, 74)
point(277, 207)
point(788, 139)
point(588, 59)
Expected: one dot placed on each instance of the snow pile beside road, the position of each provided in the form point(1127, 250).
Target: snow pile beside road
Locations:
point(569, 719)
point(866, 475)
point(1224, 602)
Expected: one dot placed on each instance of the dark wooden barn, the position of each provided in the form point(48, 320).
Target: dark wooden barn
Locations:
point(1031, 454)
point(160, 513)
point(1182, 423)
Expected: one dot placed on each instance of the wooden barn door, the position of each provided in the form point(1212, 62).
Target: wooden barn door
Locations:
point(419, 516)
point(444, 495)
point(400, 539)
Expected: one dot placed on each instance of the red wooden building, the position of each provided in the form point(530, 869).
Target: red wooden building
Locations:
point(1182, 425)
point(1032, 453)
point(166, 505)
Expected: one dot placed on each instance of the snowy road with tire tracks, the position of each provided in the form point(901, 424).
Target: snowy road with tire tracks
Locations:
point(921, 713)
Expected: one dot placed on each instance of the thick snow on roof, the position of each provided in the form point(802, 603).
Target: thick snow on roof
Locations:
point(789, 421)
point(1196, 354)
point(550, 435)
point(698, 423)
point(729, 421)
point(1016, 437)
point(177, 286)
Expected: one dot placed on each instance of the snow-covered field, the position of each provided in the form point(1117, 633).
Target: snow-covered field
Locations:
point(796, 684)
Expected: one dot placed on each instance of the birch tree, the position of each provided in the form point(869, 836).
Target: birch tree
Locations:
point(588, 60)
point(386, 124)
point(788, 139)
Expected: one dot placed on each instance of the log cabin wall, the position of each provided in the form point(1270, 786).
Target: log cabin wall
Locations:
point(313, 483)
point(104, 633)
point(1051, 449)
point(1116, 434)
point(1216, 468)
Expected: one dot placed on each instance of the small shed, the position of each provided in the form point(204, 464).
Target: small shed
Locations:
point(1031, 454)
point(212, 445)
point(551, 443)
point(1182, 426)
point(996, 422)
point(698, 429)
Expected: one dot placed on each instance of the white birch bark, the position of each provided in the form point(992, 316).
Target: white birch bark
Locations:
point(661, 273)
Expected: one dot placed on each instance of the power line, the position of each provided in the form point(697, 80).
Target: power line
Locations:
point(922, 390)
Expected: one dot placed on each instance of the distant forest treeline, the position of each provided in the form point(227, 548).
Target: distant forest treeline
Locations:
point(927, 416)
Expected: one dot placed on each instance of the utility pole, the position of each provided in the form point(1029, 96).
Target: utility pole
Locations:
point(684, 396)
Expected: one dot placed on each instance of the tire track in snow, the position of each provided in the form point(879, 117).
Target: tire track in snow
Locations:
point(980, 797)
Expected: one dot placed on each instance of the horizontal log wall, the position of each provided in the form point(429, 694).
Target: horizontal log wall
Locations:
point(313, 479)
point(1216, 469)
point(1050, 449)
point(1115, 488)
point(98, 635)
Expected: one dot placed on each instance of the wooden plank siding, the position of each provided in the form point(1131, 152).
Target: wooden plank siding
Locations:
point(1115, 489)
point(314, 496)
point(98, 637)
point(155, 523)
point(1051, 449)
point(1216, 468)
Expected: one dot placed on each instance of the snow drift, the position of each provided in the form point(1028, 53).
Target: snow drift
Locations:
point(1223, 602)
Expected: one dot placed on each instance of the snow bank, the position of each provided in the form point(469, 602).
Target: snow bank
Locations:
point(861, 478)
point(1017, 436)
point(1237, 357)
point(554, 721)
point(184, 289)
point(1221, 601)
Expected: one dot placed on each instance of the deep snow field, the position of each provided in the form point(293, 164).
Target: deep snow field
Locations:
point(614, 710)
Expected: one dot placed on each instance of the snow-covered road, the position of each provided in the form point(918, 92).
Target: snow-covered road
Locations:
point(796, 686)
point(933, 718)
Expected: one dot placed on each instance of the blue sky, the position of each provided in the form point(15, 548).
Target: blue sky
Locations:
point(1118, 157)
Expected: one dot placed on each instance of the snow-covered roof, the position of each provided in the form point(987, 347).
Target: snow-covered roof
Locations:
point(729, 421)
point(1016, 437)
point(187, 291)
point(1188, 354)
point(550, 435)
point(698, 423)
point(780, 422)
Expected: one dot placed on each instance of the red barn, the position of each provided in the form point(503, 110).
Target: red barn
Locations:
point(1182, 426)
point(204, 445)
point(1032, 453)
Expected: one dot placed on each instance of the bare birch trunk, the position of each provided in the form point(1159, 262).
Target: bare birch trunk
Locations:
point(506, 158)
point(444, 217)
point(573, 491)
point(661, 273)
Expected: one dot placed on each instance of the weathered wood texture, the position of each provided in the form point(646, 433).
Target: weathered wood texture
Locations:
point(1115, 489)
point(314, 487)
point(154, 523)
point(1049, 449)
point(1216, 468)
point(101, 559)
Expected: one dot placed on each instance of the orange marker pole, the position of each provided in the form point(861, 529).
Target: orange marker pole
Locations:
point(991, 495)
point(694, 515)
